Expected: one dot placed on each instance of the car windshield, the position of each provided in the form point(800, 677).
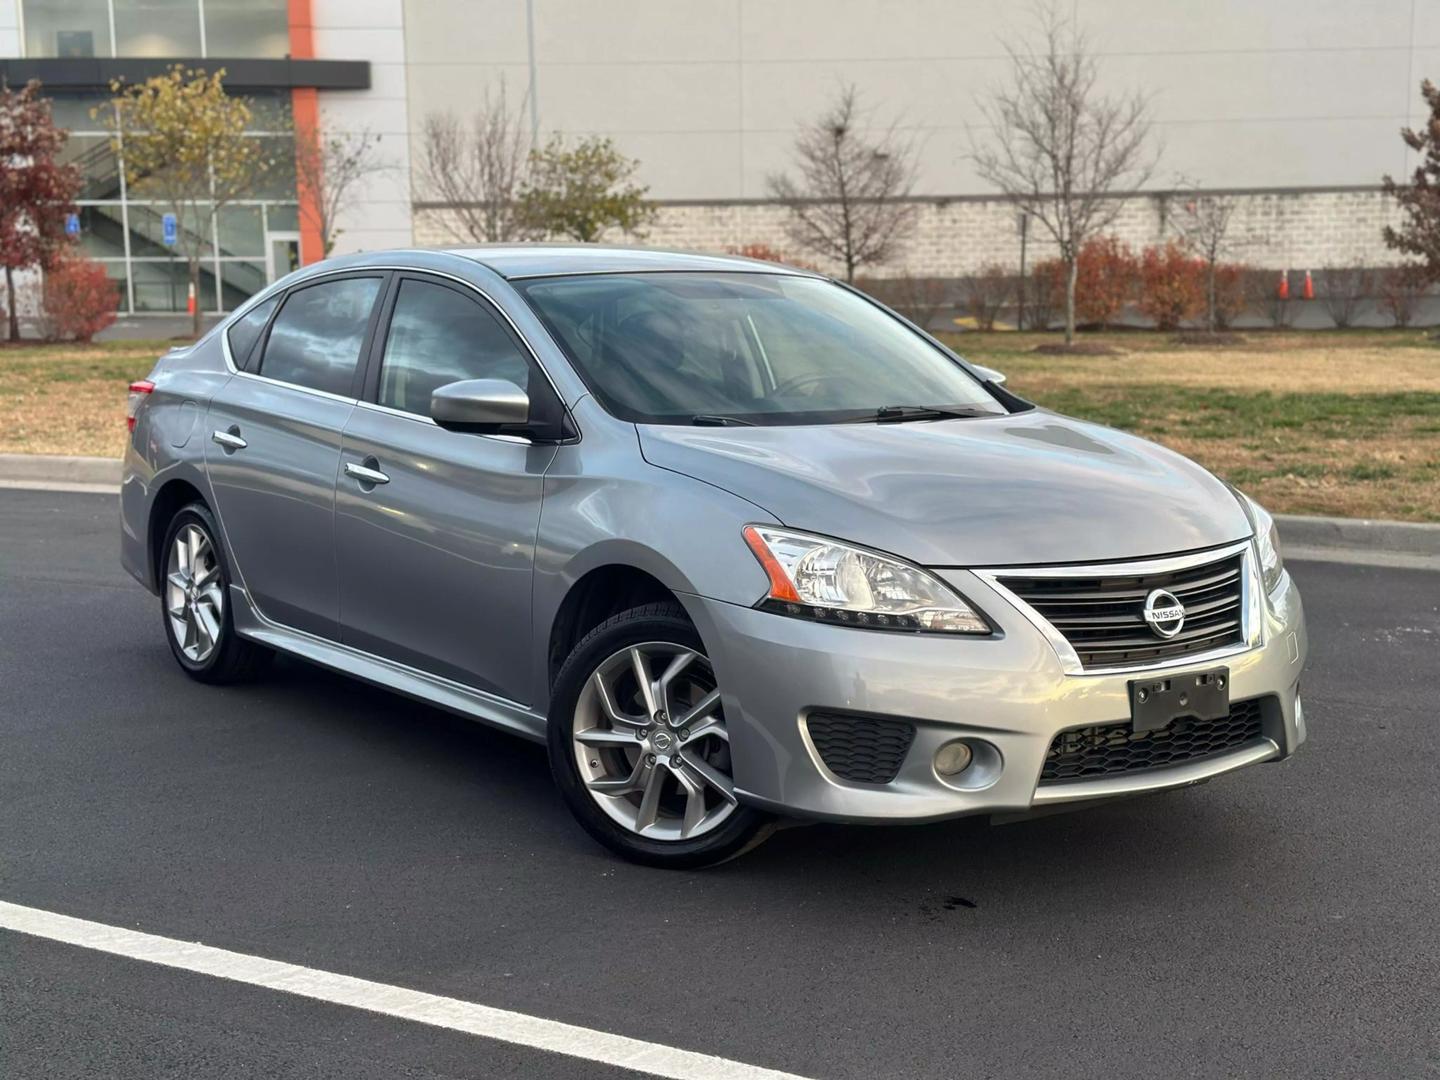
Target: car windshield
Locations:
point(746, 348)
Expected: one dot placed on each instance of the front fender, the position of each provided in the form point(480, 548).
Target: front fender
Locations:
point(609, 507)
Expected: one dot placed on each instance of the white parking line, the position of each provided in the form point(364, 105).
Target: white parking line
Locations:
point(423, 1008)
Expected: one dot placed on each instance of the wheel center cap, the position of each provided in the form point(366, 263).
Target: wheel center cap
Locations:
point(662, 741)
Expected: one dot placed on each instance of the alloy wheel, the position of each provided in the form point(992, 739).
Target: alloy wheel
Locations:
point(194, 597)
point(650, 742)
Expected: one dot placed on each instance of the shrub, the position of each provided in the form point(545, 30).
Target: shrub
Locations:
point(1262, 294)
point(1230, 297)
point(1342, 288)
point(1044, 294)
point(986, 293)
point(79, 300)
point(1106, 273)
point(919, 299)
point(1401, 288)
point(763, 252)
point(1172, 285)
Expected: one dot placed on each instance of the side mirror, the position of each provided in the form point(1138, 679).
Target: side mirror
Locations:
point(990, 375)
point(481, 406)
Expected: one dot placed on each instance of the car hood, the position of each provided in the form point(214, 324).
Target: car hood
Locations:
point(1026, 488)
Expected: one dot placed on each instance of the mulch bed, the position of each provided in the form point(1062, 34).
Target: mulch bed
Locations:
point(1204, 339)
point(1080, 348)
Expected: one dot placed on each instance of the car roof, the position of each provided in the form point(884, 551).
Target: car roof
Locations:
point(544, 260)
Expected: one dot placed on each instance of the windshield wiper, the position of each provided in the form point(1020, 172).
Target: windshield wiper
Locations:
point(707, 420)
point(898, 414)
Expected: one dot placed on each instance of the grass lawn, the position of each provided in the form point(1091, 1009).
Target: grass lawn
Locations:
point(69, 399)
point(1327, 422)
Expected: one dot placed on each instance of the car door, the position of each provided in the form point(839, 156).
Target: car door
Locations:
point(434, 529)
point(274, 447)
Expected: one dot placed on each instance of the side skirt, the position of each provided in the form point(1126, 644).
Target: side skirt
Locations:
point(402, 679)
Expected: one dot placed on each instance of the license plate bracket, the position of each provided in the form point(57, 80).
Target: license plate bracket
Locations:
point(1155, 703)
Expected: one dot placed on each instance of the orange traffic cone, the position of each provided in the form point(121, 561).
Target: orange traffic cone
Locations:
point(1309, 292)
point(190, 300)
point(1283, 291)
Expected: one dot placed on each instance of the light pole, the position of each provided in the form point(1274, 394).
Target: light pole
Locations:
point(1022, 224)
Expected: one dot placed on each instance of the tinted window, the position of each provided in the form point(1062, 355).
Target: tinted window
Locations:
point(245, 331)
point(769, 349)
point(438, 336)
point(316, 338)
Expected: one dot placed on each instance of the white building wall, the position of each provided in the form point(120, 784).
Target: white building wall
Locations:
point(708, 94)
point(377, 214)
point(953, 238)
point(10, 28)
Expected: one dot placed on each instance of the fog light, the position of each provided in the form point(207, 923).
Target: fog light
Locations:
point(952, 758)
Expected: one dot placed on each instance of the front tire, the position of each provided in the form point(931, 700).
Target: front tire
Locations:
point(194, 603)
point(639, 748)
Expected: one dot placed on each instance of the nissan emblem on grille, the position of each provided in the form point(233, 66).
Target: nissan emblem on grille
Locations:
point(1164, 613)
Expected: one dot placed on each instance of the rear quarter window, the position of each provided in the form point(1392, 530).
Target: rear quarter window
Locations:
point(245, 331)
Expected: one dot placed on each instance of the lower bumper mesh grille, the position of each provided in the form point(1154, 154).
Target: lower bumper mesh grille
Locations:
point(1107, 749)
point(861, 749)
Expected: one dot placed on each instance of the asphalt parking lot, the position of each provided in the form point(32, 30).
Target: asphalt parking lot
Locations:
point(1281, 922)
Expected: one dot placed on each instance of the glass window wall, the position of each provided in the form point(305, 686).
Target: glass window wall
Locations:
point(157, 28)
point(123, 225)
point(258, 29)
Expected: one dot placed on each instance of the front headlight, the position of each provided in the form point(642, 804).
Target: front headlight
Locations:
point(1267, 543)
point(814, 577)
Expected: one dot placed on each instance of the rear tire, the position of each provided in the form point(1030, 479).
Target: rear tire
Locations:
point(645, 766)
point(195, 603)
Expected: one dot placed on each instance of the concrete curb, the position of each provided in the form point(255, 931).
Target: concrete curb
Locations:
point(1400, 537)
point(55, 469)
point(1313, 535)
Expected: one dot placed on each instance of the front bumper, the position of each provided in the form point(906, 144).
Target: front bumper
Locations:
point(1011, 691)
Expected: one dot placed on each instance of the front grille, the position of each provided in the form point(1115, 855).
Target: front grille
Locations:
point(864, 750)
point(1107, 749)
point(1102, 616)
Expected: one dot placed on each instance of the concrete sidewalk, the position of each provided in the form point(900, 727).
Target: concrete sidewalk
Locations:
point(1320, 539)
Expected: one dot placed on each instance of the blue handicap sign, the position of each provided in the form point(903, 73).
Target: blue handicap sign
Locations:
point(172, 232)
point(72, 224)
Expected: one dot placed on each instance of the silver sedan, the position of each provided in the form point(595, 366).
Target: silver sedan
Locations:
point(735, 542)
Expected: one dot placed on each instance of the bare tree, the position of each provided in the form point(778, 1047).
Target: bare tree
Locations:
point(986, 293)
point(1058, 147)
point(848, 202)
point(477, 169)
point(1204, 225)
point(328, 167)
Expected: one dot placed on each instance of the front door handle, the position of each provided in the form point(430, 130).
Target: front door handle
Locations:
point(365, 473)
point(230, 440)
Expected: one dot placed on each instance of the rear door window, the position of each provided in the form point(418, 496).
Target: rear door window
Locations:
point(316, 339)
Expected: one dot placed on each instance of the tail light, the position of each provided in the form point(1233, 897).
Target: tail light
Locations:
point(139, 391)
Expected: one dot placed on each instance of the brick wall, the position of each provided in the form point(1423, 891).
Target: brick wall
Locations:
point(1295, 230)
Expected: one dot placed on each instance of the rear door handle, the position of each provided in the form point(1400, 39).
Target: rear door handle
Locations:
point(365, 474)
point(230, 440)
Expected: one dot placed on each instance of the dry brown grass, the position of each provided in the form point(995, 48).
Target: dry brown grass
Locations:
point(1344, 423)
point(1310, 423)
point(69, 399)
